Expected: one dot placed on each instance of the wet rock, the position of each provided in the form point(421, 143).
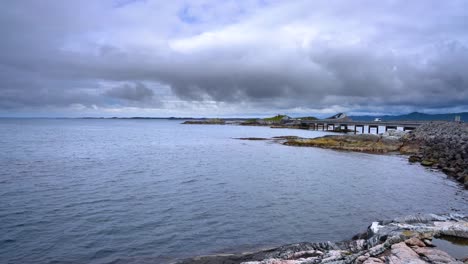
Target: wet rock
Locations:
point(435, 256)
point(427, 163)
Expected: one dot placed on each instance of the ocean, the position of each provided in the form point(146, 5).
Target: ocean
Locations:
point(154, 191)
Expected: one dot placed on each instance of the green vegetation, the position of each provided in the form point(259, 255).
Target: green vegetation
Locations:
point(276, 118)
point(215, 121)
point(308, 118)
point(354, 143)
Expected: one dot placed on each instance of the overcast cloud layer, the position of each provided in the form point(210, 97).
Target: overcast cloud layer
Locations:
point(194, 58)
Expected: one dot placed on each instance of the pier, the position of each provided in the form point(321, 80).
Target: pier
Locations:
point(359, 126)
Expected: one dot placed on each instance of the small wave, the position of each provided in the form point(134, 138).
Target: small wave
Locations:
point(189, 181)
point(8, 241)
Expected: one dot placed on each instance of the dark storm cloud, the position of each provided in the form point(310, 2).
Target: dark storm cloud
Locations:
point(138, 92)
point(353, 54)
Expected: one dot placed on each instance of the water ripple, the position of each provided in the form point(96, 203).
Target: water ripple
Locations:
point(126, 191)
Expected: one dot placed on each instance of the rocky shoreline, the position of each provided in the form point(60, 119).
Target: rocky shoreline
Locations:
point(361, 143)
point(442, 145)
point(401, 240)
point(213, 121)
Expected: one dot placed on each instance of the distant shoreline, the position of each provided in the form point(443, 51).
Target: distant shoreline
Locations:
point(414, 116)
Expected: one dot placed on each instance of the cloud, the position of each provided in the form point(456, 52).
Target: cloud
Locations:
point(138, 92)
point(255, 56)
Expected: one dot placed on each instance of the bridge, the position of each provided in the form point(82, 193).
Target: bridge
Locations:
point(326, 124)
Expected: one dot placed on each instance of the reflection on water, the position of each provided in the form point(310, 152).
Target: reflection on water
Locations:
point(457, 247)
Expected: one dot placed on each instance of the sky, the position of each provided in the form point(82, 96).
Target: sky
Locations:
point(232, 58)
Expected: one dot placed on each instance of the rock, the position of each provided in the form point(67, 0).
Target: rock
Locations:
point(252, 138)
point(373, 261)
point(376, 250)
point(214, 121)
point(361, 259)
point(394, 134)
point(441, 143)
point(435, 255)
point(273, 261)
point(452, 228)
point(414, 158)
point(427, 163)
point(414, 242)
point(428, 243)
point(286, 137)
point(448, 170)
point(400, 253)
point(360, 143)
point(332, 255)
point(397, 241)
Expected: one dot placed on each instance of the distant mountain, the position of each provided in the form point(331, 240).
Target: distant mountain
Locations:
point(415, 116)
point(338, 116)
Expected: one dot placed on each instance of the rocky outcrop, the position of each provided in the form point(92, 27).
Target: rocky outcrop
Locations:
point(398, 241)
point(442, 145)
point(252, 138)
point(205, 122)
point(362, 143)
